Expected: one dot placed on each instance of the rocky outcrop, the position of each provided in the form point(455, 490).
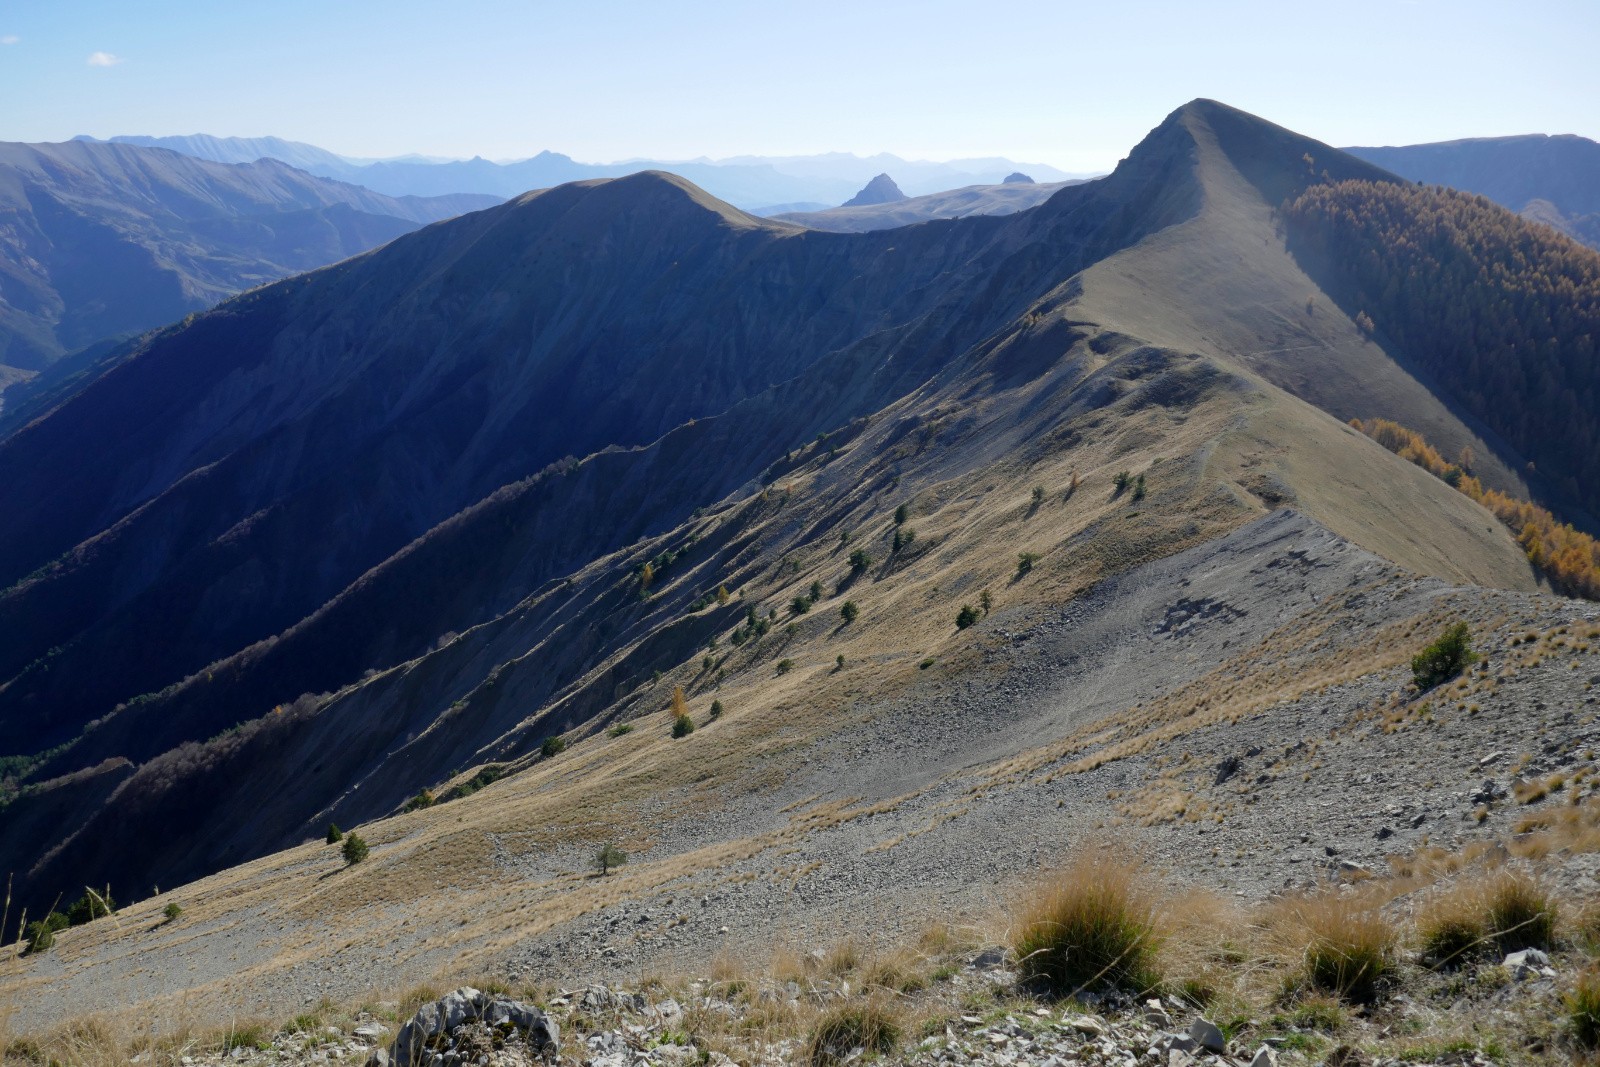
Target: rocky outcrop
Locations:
point(468, 1026)
point(880, 190)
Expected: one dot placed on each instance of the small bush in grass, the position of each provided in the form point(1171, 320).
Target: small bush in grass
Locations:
point(335, 835)
point(901, 514)
point(424, 799)
point(1348, 945)
point(620, 729)
point(1583, 1009)
point(1445, 658)
point(1025, 562)
point(1319, 1013)
point(716, 710)
point(355, 849)
point(309, 1022)
point(967, 616)
point(785, 666)
point(1093, 924)
point(486, 776)
point(173, 912)
point(90, 906)
point(608, 857)
point(872, 1025)
point(251, 1037)
point(849, 612)
point(1519, 913)
point(682, 726)
point(552, 746)
point(41, 933)
point(860, 561)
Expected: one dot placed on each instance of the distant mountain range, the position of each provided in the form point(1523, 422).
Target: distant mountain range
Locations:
point(1554, 180)
point(110, 239)
point(1002, 199)
point(750, 182)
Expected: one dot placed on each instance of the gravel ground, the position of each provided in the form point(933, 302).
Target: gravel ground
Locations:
point(1317, 789)
point(964, 792)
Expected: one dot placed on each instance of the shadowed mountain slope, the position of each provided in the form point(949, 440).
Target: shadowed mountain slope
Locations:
point(1553, 180)
point(357, 482)
point(381, 396)
point(109, 239)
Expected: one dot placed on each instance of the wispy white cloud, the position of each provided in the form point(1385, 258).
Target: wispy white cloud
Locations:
point(103, 59)
point(10, 38)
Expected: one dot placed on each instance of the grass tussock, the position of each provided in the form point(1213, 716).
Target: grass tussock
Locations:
point(1320, 1012)
point(873, 1025)
point(896, 972)
point(1345, 944)
point(842, 958)
point(1519, 911)
point(1090, 925)
point(1583, 1009)
point(1452, 925)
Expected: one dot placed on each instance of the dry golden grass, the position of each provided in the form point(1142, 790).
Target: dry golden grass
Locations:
point(1451, 924)
point(1519, 912)
point(899, 971)
point(1344, 944)
point(1093, 923)
point(875, 1024)
point(764, 738)
point(1583, 1009)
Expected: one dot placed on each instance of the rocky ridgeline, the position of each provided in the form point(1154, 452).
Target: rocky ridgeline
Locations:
point(978, 1015)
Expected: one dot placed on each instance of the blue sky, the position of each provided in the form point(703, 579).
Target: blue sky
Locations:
point(1066, 83)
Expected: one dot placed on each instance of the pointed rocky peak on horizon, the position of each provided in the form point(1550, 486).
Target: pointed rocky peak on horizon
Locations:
point(880, 190)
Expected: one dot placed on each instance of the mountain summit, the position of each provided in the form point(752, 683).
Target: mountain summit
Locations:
point(880, 190)
point(476, 509)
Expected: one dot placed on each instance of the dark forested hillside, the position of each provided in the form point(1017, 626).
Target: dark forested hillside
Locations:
point(1505, 314)
point(1553, 180)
